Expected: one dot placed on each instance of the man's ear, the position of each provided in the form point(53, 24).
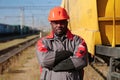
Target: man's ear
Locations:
point(50, 23)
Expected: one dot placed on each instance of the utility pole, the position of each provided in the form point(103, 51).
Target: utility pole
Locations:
point(33, 24)
point(22, 20)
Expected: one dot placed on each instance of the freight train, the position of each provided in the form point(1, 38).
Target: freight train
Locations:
point(98, 22)
point(7, 30)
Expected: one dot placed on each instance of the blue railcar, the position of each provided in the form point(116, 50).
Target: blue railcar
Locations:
point(10, 29)
point(7, 29)
point(16, 29)
point(25, 30)
point(2, 28)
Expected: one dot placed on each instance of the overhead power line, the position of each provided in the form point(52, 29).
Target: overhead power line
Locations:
point(25, 7)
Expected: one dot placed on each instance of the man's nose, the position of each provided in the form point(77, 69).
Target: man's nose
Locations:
point(58, 24)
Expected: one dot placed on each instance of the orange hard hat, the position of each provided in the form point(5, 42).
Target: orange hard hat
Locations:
point(57, 13)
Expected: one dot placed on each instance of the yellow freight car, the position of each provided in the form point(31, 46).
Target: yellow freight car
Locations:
point(97, 21)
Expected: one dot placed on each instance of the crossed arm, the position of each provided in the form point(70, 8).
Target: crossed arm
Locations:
point(62, 60)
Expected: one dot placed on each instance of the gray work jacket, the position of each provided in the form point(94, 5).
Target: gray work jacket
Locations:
point(70, 68)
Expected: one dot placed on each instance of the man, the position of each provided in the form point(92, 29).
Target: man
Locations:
point(62, 55)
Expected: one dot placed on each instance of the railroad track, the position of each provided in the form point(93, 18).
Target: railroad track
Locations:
point(9, 53)
point(101, 67)
point(8, 38)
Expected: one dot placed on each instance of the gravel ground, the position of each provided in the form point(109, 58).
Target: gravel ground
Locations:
point(91, 74)
point(25, 68)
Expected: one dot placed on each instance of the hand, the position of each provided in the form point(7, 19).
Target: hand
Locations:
point(62, 55)
point(66, 65)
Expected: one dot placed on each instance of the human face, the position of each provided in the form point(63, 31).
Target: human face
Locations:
point(59, 27)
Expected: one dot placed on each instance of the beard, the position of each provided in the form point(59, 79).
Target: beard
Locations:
point(60, 32)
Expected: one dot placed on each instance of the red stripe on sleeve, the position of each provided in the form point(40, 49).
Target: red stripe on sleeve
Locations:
point(81, 50)
point(41, 47)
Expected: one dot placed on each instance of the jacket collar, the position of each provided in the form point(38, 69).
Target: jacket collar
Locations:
point(69, 35)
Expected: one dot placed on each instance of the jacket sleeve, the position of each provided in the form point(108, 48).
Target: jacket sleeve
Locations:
point(77, 61)
point(49, 58)
point(45, 56)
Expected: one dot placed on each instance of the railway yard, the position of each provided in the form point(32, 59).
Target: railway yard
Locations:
point(23, 22)
point(23, 65)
